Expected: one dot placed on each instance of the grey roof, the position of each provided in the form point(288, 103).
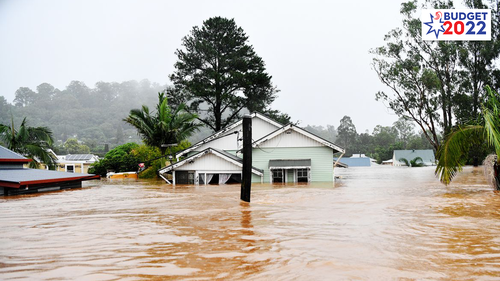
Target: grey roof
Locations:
point(355, 162)
point(227, 154)
point(23, 175)
point(427, 155)
point(289, 163)
point(9, 154)
point(79, 157)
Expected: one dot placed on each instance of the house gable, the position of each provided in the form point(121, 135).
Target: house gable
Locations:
point(229, 138)
point(209, 160)
point(290, 139)
point(293, 136)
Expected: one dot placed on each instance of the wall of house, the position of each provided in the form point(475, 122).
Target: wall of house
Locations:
point(321, 160)
point(291, 139)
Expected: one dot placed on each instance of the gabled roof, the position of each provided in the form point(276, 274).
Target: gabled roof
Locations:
point(219, 153)
point(227, 131)
point(7, 155)
point(15, 178)
point(300, 131)
point(427, 155)
point(355, 162)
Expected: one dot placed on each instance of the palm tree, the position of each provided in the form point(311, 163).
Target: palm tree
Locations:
point(414, 162)
point(165, 126)
point(32, 142)
point(453, 151)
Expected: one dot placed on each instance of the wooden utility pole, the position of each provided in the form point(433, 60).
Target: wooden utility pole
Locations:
point(246, 175)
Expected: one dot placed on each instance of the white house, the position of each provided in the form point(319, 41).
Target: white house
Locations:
point(280, 154)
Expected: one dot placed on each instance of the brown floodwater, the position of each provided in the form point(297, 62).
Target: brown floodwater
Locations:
point(374, 223)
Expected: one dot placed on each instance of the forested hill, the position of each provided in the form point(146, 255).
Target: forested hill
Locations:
point(92, 115)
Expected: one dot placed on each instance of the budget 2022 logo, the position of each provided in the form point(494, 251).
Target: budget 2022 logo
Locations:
point(456, 25)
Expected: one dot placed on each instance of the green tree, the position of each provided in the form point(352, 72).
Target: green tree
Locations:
point(431, 81)
point(118, 159)
point(24, 97)
point(412, 68)
point(72, 146)
point(4, 110)
point(32, 142)
point(453, 152)
point(164, 126)
point(478, 62)
point(405, 130)
point(218, 69)
point(346, 133)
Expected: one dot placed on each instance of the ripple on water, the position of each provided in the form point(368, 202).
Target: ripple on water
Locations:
point(375, 223)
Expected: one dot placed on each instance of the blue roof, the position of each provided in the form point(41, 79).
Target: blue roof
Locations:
point(9, 154)
point(30, 175)
point(355, 162)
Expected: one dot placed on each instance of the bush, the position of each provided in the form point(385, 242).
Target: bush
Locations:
point(119, 159)
point(126, 158)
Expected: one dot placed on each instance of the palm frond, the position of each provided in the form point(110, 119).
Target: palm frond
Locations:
point(404, 160)
point(452, 152)
point(415, 163)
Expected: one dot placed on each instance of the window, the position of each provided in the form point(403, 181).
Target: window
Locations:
point(302, 175)
point(184, 177)
point(277, 175)
point(70, 168)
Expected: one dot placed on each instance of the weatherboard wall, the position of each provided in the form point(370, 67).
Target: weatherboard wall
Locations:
point(290, 139)
point(321, 160)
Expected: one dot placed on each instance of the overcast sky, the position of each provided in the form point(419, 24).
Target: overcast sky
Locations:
point(316, 51)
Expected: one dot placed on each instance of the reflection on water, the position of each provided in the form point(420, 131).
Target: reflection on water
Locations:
point(375, 223)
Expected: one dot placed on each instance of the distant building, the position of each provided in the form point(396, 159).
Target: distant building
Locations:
point(355, 161)
point(15, 179)
point(387, 162)
point(76, 163)
point(427, 156)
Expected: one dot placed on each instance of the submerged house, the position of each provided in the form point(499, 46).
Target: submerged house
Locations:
point(15, 179)
point(427, 156)
point(280, 154)
point(356, 160)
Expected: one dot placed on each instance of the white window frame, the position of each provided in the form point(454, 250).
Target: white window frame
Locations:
point(68, 165)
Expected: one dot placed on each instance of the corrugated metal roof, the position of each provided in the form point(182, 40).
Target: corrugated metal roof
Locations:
point(427, 155)
point(9, 154)
point(289, 163)
point(227, 154)
point(78, 157)
point(29, 175)
point(355, 162)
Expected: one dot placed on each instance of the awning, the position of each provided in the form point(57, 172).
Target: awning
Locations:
point(290, 164)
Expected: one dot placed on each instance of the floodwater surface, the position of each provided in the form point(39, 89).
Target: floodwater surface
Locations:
point(374, 223)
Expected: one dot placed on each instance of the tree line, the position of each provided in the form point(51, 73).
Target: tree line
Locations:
point(379, 144)
point(93, 116)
